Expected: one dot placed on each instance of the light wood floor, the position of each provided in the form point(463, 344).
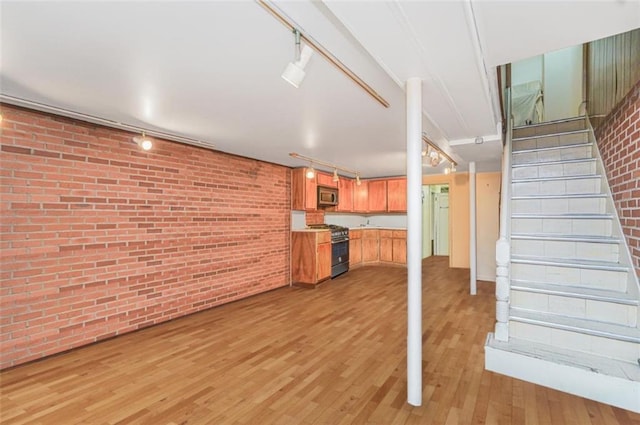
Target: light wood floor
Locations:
point(334, 355)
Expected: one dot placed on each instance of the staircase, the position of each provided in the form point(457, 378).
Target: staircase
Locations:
point(573, 300)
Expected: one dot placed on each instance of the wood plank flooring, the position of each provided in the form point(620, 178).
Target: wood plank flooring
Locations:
point(333, 355)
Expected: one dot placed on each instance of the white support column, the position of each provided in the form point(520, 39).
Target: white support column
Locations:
point(473, 258)
point(414, 241)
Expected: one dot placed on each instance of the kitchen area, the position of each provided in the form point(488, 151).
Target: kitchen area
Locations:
point(340, 223)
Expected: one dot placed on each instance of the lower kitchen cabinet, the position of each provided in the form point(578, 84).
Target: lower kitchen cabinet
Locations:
point(386, 246)
point(310, 257)
point(378, 246)
point(399, 247)
point(355, 248)
point(370, 246)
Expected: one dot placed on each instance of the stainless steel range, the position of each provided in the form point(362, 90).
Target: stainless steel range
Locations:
point(339, 248)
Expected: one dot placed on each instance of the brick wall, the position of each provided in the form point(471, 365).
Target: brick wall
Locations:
point(99, 238)
point(619, 143)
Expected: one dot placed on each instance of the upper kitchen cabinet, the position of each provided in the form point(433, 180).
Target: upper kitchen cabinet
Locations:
point(345, 195)
point(377, 196)
point(304, 191)
point(325, 180)
point(361, 197)
point(397, 195)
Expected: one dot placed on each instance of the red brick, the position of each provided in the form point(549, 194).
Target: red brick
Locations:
point(81, 266)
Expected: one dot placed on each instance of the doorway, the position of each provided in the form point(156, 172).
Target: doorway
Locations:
point(435, 220)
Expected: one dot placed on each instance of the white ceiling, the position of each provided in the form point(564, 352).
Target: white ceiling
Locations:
point(210, 71)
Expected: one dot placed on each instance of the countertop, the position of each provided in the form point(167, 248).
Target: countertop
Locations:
point(377, 227)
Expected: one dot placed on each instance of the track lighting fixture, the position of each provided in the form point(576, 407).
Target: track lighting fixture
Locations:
point(143, 141)
point(294, 72)
point(435, 156)
point(311, 172)
point(270, 7)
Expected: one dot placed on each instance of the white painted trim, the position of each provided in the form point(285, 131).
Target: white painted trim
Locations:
point(582, 382)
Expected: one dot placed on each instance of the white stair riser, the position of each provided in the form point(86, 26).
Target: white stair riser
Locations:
point(559, 206)
point(550, 141)
point(554, 170)
point(576, 152)
point(602, 311)
point(550, 128)
point(571, 276)
point(562, 226)
point(590, 185)
point(566, 249)
point(621, 350)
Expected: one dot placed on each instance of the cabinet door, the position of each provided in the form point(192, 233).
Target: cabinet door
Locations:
point(324, 261)
point(311, 194)
point(325, 180)
point(361, 196)
point(355, 252)
point(345, 195)
point(377, 196)
point(370, 246)
point(397, 195)
point(304, 195)
point(400, 250)
point(386, 250)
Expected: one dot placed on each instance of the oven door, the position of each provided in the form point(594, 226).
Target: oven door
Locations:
point(339, 257)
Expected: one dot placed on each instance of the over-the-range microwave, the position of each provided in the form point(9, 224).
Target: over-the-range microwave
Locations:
point(327, 196)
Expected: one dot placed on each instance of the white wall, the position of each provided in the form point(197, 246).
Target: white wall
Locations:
point(527, 70)
point(562, 83)
point(561, 76)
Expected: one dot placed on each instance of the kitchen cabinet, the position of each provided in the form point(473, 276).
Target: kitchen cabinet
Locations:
point(377, 201)
point(310, 257)
point(397, 195)
point(345, 195)
point(355, 248)
point(304, 191)
point(386, 246)
point(370, 246)
point(399, 247)
point(392, 246)
point(325, 180)
point(361, 196)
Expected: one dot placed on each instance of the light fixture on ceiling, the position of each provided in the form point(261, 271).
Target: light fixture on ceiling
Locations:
point(311, 172)
point(294, 72)
point(436, 156)
point(270, 7)
point(358, 182)
point(143, 141)
point(479, 140)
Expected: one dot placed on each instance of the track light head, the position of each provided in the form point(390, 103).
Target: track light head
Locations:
point(143, 141)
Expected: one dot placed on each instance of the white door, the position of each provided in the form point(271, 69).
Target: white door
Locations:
point(441, 224)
